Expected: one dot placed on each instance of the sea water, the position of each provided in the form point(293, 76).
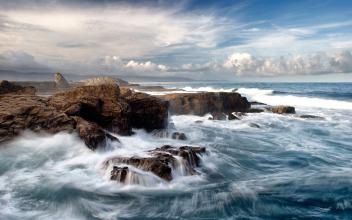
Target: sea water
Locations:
point(284, 167)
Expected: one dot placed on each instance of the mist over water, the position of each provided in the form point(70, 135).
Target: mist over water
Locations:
point(265, 166)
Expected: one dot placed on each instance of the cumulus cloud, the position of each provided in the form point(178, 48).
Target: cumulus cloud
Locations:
point(318, 63)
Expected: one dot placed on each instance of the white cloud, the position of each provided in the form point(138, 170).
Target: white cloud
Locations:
point(318, 63)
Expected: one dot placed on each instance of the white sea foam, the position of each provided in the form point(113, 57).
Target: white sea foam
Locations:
point(267, 97)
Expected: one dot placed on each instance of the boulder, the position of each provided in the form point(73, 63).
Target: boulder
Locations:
point(179, 136)
point(147, 112)
point(234, 116)
point(206, 102)
point(160, 162)
point(283, 109)
point(169, 134)
point(7, 87)
point(255, 110)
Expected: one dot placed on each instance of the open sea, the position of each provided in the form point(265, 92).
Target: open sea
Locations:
point(284, 167)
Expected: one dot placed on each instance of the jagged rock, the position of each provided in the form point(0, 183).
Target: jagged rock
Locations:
point(100, 104)
point(283, 109)
point(60, 82)
point(217, 116)
point(147, 112)
point(206, 102)
point(161, 162)
point(7, 87)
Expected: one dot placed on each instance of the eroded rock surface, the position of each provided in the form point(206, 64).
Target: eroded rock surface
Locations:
point(206, 102)
point(9, 88)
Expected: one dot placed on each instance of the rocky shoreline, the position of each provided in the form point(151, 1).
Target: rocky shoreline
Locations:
point(99, 108)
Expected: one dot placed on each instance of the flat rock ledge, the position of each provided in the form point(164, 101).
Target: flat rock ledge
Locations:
point(87, 110)
point(160, 161)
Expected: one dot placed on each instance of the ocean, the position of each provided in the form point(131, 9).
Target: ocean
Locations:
point(265, 166)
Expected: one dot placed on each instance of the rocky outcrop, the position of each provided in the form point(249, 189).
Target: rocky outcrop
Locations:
point(100, 104)
point(7, 87)
point(217, 116)
point(283, 109)
point(30, 112)
point(169, 134)
point(161, 162)
point(206, 102)
point(60, 82)
point(147, 111)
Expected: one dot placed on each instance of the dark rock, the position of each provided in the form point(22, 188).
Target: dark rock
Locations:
point(254, 125)
point(92, 134)
point(257, 103)
point(217, 116)
point(119, 173)
point(198, 121)
point(311, 117)
point(7, 87)
point(233, 116)
point(206, 102)
point(283, 109)
point(160, 162)
point(147, 112)
point(178, 136)
point(255, 110)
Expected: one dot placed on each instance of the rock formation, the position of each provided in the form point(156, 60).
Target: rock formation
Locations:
point(206, 102)
point(60, 82)
point(160, 162)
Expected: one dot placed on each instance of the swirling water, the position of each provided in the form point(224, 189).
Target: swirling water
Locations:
point(265, 166)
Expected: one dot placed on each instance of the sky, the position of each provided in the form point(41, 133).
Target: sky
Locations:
point(249, 40)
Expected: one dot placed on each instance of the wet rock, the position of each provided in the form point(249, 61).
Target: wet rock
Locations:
point(161, 161)
point(147, 112)
point(255, 110)
point(119, 173)
point(198, 121)
point(257, 103)
point(179, 136)
point(9, 88)
point(311, 117)
point(206, 102)
point(169, 134)
point(235, 116)
point(254, 125)
point(217, 116)
point(283, 109)
point(92, 134)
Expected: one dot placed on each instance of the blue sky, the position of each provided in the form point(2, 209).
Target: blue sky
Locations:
point(254, 40)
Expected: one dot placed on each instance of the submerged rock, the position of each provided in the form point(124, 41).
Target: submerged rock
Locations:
point(217, 116)
point(311, 117)
point(169, 134)
point(206, 102)
point(283, 109)
point(235, 116)
point(161, 162)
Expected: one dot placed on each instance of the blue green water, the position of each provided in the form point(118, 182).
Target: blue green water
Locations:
point(285, 167)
